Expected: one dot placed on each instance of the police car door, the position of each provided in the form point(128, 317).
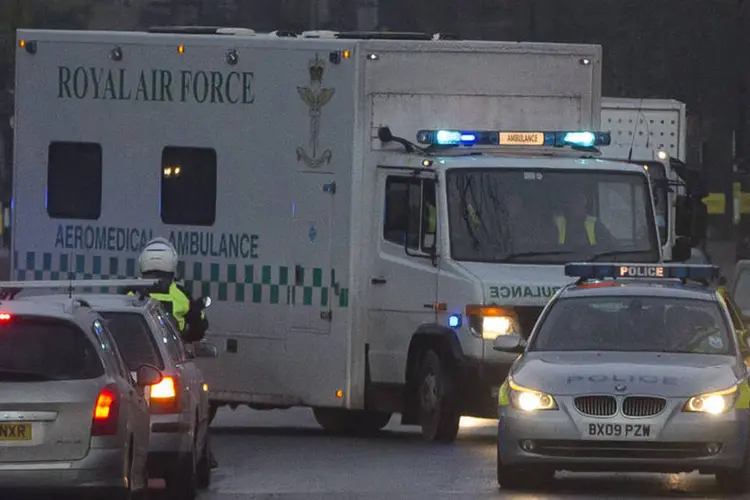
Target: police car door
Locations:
point(403, 278)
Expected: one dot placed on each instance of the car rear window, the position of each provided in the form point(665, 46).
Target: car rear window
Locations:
point(134, 339)
point(40, 349)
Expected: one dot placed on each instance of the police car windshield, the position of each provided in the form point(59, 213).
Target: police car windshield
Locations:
point(634, 323)
point(546, 216)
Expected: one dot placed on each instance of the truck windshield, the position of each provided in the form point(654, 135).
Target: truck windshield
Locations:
point(658, 175)
point(545, 216)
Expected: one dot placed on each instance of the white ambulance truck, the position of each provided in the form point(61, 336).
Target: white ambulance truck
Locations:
point(351, 269)
point(653, 133)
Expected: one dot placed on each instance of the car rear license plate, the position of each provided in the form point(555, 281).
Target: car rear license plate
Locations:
point(15, 432)
point(598, 430)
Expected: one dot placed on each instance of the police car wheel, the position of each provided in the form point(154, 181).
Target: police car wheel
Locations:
point(439, 416)
point(735, 481)
point(517, 478)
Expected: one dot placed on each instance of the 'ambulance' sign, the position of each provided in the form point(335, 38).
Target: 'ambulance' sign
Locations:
point(521, 139)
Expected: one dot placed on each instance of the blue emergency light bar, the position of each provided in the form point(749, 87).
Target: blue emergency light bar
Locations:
point(649, 271)
point(498, 138)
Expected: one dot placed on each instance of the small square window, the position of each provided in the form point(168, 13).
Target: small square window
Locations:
point(188, 186)
point(74, 180)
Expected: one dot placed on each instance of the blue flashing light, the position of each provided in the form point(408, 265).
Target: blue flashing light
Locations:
point(585, 139)
point(648, 271)
point(557, 139)
point(454, 320)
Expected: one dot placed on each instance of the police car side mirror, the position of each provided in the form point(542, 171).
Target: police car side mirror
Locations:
point(508, 343)
point(147, 375)
point(205, 350)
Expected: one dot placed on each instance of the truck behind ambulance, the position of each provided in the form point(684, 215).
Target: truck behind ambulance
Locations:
point(653, 133)
point(359, 210)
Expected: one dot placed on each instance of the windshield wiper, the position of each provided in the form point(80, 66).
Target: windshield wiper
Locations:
point(612, 253)
point(23, 376)
point(514, 256)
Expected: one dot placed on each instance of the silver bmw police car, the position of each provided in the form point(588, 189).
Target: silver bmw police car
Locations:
point(631, 368)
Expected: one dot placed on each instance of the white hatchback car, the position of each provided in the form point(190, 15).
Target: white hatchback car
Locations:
point(72, 417)
point(180, 448)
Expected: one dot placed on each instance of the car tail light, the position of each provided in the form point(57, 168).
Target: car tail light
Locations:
point(106, 412)
point(5, 316)
point(165, 396)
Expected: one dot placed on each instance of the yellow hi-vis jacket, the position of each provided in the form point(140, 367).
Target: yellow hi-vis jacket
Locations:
point(431, 219)
point(590, 223)
point(179, 302)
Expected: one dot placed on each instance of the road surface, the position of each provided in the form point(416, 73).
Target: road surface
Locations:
point(285, 455)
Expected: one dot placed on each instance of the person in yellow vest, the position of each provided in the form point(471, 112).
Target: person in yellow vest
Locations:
point(158, 260)
point(431, 218)
point(576, 228)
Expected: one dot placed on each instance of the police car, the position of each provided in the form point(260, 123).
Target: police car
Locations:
point(631, 368)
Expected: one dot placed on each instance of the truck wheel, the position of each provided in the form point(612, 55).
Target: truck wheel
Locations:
point(360, 422)
point(333, 420)
point(368, 421)
point(439, 416)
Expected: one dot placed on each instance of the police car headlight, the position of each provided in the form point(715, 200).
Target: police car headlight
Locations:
point(529, 400)
point(713, 403)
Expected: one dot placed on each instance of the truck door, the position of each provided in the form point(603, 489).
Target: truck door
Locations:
point(402, 280)
point(308, 293)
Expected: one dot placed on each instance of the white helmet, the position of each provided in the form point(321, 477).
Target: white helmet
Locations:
point(158, 255)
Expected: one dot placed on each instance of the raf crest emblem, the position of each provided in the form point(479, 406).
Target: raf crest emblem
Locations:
point(315, 97)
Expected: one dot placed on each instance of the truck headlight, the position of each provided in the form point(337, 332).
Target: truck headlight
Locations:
point(529, 400)
point(489, 322)
point(713, 403)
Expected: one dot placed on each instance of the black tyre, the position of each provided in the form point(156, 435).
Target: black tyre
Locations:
point(358, 422)
point(735, 481)
point(203, 468)
point(518, 478)
point(212, 409)
point(333, 420)
point(439, 415)
point(183, 482)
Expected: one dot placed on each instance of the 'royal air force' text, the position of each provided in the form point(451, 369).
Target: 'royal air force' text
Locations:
point(128, 239)
point(159, 85)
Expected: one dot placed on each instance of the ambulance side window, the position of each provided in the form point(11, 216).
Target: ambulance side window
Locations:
point(409, 209)
point(188, 186)
point(74, 180)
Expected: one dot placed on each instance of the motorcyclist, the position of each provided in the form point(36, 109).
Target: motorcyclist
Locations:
point(158, 260)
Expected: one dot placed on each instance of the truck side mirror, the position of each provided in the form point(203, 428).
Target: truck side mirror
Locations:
point(691, 218)
point(683, 216)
